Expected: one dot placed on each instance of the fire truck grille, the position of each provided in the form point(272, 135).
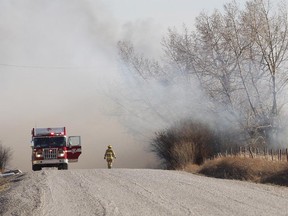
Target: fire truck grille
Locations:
point(50, 153)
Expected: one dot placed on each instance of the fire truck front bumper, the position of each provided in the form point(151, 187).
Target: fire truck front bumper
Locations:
point(53, 161)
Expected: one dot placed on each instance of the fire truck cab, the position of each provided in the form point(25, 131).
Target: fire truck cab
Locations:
point(52, 148)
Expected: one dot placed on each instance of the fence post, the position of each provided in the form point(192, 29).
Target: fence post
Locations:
point(287, 154)
point(251, 153)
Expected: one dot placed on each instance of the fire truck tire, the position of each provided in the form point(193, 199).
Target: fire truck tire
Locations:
point(36, 167)
point(63, 167)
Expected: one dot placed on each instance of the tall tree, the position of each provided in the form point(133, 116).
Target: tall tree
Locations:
point(238, 56)
point(269, 31)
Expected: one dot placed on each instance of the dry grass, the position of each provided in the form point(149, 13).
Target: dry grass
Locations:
point(248, 169)
point(4, 184)
point(192, 168)
point(8, 181)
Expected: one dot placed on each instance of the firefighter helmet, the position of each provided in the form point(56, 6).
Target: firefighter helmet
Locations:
point(109, 146)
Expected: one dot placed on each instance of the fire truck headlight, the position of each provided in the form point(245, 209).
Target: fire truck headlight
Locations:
point(38, 154)
point(60, 153)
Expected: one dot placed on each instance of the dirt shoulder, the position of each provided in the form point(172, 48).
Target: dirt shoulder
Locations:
point(4, 184)
point(7, 184)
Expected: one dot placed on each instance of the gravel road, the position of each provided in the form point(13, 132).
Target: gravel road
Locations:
point(137, 192)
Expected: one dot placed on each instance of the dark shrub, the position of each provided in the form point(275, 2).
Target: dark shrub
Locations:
point(186, 142)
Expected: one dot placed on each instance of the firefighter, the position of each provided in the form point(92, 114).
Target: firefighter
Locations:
point(109, 156)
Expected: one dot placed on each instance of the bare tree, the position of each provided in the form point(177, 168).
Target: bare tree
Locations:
point(5, 156)
point(269, 31)
point(238, 56)
point(145, 67)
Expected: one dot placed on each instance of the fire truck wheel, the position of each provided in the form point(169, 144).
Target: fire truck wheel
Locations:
point(63, 167)
point(36, 167)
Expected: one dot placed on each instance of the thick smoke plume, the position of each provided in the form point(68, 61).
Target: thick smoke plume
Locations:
point(59, 67)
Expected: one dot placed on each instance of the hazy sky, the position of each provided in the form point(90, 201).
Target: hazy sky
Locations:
point(58, 66)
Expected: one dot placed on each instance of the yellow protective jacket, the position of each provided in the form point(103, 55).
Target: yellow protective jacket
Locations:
point(109, 154)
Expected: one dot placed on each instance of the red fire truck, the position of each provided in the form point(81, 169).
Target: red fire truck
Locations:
point(52, 148)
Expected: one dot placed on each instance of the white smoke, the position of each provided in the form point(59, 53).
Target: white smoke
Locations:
point(59, 67)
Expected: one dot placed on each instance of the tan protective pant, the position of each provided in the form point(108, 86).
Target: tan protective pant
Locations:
point(109, 162)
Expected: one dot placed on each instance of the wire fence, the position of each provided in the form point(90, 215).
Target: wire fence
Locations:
point(252, 152)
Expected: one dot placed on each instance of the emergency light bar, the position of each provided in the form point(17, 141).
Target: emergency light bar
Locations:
point(57, 131)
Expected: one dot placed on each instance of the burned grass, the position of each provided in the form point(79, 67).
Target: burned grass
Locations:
point(247, 169)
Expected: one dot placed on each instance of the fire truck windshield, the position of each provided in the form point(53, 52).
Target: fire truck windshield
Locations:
point(45, 142)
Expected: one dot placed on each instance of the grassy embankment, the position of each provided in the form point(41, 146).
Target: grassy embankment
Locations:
point(246, 169)
point(4, 184)
point(8, 181)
